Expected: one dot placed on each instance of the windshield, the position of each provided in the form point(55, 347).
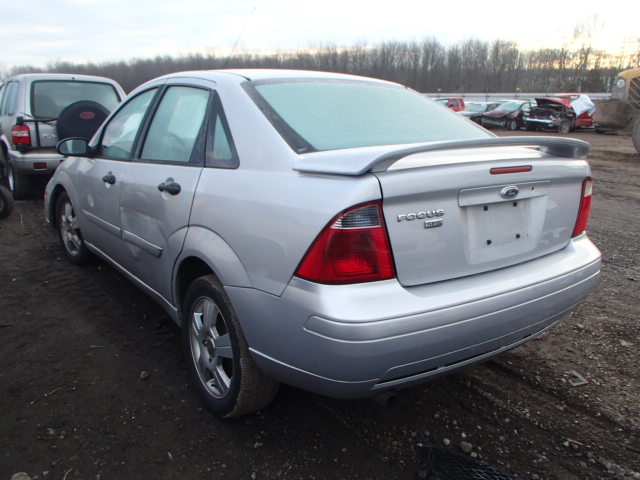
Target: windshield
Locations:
point(50, 97)
point(314, 115)
point(509, 106)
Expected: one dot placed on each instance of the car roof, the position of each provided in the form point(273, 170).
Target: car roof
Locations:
point(258, 74)
point(60, 76)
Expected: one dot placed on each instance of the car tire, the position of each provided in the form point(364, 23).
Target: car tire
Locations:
point(6, 202)
point(564, 127)
point(512, 124)
point(69, 232)
point(220, 365)
point(20, 185)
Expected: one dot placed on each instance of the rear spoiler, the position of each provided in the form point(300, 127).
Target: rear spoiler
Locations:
point(357, 161)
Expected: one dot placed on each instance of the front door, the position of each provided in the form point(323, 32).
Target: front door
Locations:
point(99, 190)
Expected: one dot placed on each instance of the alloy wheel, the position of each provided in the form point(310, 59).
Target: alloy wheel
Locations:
point(211, 350)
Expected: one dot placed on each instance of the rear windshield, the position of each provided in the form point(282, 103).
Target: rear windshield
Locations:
point(316, 115)
point(48, 97)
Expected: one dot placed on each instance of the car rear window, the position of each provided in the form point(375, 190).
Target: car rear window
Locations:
point(48, 97)
point(316, 115)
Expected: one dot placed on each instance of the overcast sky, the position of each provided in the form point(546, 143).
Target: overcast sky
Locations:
point(38, 32)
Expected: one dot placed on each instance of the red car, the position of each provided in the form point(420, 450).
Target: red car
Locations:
point(581, 105)
point(454, 103)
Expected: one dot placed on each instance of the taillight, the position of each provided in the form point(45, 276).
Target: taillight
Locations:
point(20, 135)
point(354, 247)
point(585, 207)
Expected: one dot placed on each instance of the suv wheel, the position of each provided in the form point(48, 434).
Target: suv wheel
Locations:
point(220, 366)
point(19, 185)
point(6, 202)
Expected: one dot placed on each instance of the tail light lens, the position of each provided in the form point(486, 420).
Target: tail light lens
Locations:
point(20, 135)
point(353, 248)
point(585, 207)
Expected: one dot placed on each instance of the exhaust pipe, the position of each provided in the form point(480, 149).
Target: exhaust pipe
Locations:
point(388, 398)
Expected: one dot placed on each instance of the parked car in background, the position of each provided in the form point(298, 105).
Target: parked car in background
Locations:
point(550, 114)
point(37, 110)
point(475, 110)
point(295, 242)
point(508, 115)
point(582, 107)
point(454, 103)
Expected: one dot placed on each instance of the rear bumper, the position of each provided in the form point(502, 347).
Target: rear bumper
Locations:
point(35, 162)
point(353, 341)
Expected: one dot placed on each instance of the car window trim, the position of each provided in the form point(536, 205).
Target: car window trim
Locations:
point(297, 143)
point(12, 86)
point(217, 111)
point(151, 107)
point(198, 147)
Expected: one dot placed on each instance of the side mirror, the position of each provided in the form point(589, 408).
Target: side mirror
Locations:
point(76, 147)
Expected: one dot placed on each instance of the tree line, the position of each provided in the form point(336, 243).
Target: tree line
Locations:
point(427, 66)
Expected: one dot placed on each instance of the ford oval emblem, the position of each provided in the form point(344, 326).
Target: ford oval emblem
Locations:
point(509, 192)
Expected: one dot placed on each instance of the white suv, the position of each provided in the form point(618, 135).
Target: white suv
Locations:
point(37, 110)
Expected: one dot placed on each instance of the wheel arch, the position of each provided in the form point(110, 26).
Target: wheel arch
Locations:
point(206, 253)
point(51, 206)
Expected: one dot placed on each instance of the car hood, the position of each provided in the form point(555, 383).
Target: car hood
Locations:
point(546, 101)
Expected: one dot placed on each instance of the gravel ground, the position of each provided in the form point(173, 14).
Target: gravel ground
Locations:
point(93, 384)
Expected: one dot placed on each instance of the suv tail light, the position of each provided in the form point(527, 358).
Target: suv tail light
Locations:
point(353, 248)
point(585, 207)
point(20, 135)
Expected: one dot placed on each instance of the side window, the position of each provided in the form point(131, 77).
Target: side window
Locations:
point(1, 95)
point(9, 99)
point(120, 134)
point(221, 152)
point(176, 125)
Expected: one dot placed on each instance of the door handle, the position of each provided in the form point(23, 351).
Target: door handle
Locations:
point(109, 178)
point(170, 188)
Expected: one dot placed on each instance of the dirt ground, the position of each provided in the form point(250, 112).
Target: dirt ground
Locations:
point(93, 386)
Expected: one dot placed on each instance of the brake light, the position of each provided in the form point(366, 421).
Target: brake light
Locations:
point(585, 207)
point(20, 135)
point(353, 248)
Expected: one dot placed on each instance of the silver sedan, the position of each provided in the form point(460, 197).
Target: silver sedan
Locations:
point(341, 234)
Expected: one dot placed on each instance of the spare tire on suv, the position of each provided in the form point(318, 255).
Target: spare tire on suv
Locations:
point(80, 119)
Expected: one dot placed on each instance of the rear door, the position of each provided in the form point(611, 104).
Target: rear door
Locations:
point(157, 192)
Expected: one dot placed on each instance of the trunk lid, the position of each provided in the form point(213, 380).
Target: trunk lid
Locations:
point(461, 212)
